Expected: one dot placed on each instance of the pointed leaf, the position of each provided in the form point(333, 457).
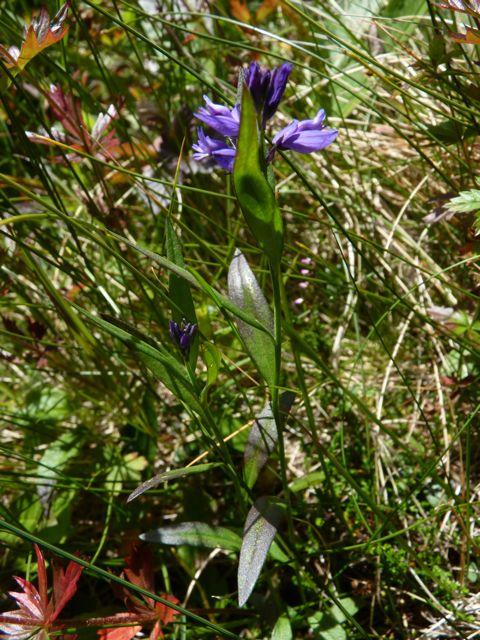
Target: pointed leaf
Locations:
point(170, 475)
point(255, 196)
point(244, 291)
point(258, 534)
point(195, 534)
point(282, 629)
point(195, 279)
point(263, 437)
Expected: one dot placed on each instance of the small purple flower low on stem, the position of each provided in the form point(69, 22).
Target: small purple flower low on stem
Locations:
point(183, 334)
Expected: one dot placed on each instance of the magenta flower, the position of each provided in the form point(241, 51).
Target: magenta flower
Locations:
point(305, 136)
point(207, 148)
point(219, 118)
point(267, 87)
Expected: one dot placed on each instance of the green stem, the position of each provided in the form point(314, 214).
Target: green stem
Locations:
point(276, 275)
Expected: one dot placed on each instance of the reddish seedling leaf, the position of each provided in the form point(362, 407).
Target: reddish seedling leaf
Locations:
point(41, 33)
point(471, 36)
point(239, 10)
point(119, 633)
point(139, 571)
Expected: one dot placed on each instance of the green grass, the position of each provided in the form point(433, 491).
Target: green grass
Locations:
point(376, 470)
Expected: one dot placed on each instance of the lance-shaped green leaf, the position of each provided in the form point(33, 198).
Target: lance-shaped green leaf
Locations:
point(179, 289)
point(258, 534)
point(255, 195)
point(244, 291)
point(200, 534)
point(195, 534)
point(263, 437)
point(167, 476)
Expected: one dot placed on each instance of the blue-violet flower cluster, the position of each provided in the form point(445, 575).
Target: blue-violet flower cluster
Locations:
point(267, 89)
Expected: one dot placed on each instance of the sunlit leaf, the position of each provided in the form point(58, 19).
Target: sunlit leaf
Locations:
point(471, 36)
point(40, 34)
point(195, 534)
point(239, 10)
point(263, 437)
point(244, 291)
point(258, 534)
point(282, 629)
point(167, 476)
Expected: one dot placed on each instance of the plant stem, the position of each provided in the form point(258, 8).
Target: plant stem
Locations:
point(276, 275)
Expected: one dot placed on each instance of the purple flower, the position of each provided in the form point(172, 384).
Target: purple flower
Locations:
point(214, 149)
point(221, 119)
point(267, 87)
point(182, 334)
point(304, 136)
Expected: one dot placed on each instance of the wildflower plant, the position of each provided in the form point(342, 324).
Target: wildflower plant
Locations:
point(241, 150)
point(266, 89)
point(210, 294)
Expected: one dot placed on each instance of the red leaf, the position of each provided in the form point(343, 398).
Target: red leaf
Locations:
point(471, 36)
point(42, 576)
point(119, 633)
point(139, 569)
point(64, 586)
point(42, 33)
point(167, 614)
